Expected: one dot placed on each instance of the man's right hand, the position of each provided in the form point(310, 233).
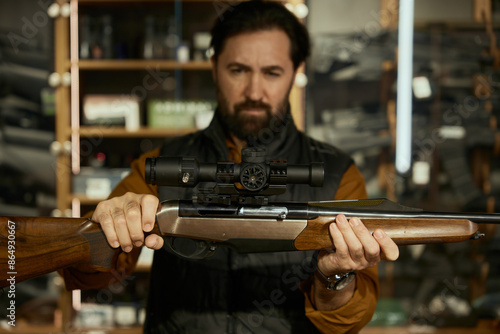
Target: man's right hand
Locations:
point(124, 220)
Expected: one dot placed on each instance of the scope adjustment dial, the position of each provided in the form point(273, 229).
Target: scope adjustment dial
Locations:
point(253, 177)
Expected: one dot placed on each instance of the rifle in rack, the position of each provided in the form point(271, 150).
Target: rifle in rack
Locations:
point(232, 211)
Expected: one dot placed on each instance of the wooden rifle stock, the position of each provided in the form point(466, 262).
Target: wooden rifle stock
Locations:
point(34, 246)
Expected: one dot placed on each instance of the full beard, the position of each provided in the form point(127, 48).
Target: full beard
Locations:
point(245, 126)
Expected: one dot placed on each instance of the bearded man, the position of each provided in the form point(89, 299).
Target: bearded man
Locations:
point(258, 47)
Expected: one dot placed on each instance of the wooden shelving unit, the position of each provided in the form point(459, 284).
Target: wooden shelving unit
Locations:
point(120, 132)
point(137, 64)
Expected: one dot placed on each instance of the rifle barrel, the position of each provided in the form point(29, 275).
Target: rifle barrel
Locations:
point(384, 208)
point(357, 208)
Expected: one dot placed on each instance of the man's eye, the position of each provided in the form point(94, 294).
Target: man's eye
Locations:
point(273, 74)
point(237, 70)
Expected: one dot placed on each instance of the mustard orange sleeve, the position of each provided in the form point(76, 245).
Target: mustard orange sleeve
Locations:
point(352, 185)
point(354, 315)
point(135, 181)
point(86, 277)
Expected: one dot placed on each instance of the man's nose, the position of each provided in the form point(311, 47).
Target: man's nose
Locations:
point(255, 87)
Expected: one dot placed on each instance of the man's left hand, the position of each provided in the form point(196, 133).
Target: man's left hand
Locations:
point(355, 247)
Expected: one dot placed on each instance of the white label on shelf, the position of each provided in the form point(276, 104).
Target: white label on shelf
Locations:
point(98, 187)
point(452, 132)
point(421, 172)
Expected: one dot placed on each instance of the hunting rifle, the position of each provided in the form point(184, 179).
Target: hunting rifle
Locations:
point(230, 208)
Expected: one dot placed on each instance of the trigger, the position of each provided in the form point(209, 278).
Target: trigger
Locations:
point(190, 248)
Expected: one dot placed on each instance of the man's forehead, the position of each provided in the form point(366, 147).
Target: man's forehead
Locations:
point(272, 44)
point(248, 34)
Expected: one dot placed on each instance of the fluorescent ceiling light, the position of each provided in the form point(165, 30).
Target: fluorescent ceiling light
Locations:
point(404, 87)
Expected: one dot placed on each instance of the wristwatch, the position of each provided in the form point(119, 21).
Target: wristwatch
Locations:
point(336, 282)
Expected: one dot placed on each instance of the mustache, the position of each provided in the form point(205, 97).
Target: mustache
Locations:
point(250, 104)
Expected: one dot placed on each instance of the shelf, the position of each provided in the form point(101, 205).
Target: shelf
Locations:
point(141, 64)
point(121, 132)
point(85, 200)
point(24, 328)
point(84, 2)
point(108, 330)
point(31, 329)
point(449, 26)
point(484, 326)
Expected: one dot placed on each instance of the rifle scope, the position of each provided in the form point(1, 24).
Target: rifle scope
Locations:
point(254, 173)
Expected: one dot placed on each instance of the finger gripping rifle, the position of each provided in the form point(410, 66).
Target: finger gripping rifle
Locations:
point(235, 210)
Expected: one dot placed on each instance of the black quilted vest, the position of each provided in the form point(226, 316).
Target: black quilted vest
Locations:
point(239, 293)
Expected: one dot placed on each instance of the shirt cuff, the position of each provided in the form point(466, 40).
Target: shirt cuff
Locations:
point(352, 316)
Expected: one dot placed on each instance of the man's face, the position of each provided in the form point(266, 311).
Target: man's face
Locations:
point(253, 77)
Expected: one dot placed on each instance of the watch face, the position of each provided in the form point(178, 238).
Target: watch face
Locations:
point(338, 281)
point(344, 281)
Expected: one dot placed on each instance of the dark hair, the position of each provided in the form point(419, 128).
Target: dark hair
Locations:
point(257, 15)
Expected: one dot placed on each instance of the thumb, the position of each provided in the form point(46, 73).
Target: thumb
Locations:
point(153, 241)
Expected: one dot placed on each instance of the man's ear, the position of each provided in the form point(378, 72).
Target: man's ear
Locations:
point(299, 68)
point(214, 68)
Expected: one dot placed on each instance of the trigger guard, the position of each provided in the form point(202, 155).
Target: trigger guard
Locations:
point(204, 249)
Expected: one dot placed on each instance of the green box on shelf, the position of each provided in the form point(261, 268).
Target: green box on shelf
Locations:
point(178, 114)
